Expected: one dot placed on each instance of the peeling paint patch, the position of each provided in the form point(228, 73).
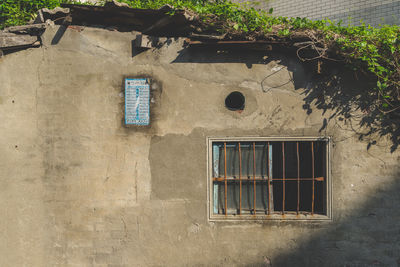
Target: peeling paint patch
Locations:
point(194, 228)
point(253, 85)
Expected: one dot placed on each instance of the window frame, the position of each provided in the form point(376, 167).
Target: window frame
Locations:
point(262, 217)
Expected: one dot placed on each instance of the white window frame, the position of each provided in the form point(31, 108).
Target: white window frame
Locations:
point(291, 217)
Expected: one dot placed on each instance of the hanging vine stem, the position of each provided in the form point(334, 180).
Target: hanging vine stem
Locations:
point(372, 49)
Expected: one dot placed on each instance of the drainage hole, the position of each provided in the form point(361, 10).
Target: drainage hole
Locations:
point(235, 101)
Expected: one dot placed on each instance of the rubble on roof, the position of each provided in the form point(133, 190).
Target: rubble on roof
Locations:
point(157, 22)
point(116, 15)
point(151, 23)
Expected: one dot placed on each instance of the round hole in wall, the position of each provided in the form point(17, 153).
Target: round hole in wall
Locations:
point(235, 101)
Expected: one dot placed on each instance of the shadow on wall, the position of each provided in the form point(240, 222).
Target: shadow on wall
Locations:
point(368, 236)
point(332, 86)
point(345, 93)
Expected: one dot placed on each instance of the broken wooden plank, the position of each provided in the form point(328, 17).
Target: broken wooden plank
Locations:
point(54, 14)
point(11, 40)
point(237, 42)
point(26, 29)
point(206, 36)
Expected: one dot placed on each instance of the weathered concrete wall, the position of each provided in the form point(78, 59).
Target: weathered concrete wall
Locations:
point(78, 188)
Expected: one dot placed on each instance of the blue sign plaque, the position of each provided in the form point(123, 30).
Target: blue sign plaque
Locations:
point(137, 102)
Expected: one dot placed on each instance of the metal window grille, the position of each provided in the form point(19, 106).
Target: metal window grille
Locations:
point(269, 177)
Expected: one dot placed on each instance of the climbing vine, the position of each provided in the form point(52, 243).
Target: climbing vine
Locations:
point(19, 12)
point(367, 49)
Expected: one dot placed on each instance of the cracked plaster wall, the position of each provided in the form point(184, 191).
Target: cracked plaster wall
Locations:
point(78, 188)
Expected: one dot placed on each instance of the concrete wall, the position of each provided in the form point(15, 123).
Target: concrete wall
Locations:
point(369, 11)
point(78, 188)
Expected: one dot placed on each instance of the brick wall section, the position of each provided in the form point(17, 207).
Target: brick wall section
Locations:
point(372, 12)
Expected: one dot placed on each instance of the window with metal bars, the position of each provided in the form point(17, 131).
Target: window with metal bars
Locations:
point(269, 178)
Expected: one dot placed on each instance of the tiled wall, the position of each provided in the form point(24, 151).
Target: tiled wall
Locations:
point(372, 12)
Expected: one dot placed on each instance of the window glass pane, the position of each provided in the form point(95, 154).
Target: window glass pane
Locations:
point(305, 195)
point(221, 197)
point(320, 159)
point(217, 159)
point(261, 159)
point(291, 195)
point(247, 159)
point(291, 172)
point(232, 160)
point(277, 159)
point(305, 159)
point(233, 197)
point(290, 160)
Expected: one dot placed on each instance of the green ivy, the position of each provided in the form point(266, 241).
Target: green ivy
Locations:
point(20, 12)
point(17, 12)
point(376, 50)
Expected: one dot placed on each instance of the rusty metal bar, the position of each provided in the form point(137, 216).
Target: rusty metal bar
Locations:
point(313, 180)
point(196, 42)
point(268, 183)
point(280, 213)
point(254, 176)
point(298, 178)
point(283, 177)
point(240, 180)
point(316, 179)
point(226, 184)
